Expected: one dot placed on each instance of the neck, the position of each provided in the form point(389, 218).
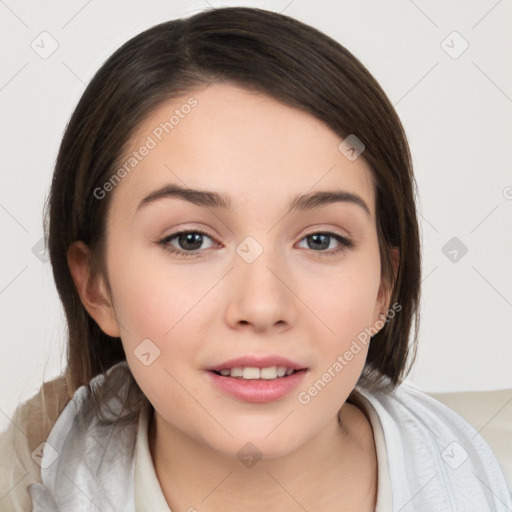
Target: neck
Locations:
point(336, 469)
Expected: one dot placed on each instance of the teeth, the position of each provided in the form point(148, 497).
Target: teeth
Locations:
point(269, 373)
point(237, 372)
point(281, 371)
point(251, 373)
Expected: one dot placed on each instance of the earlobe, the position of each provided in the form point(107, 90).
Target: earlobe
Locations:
point(92, 290)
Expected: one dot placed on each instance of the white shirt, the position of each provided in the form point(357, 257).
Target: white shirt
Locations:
point(429, 458)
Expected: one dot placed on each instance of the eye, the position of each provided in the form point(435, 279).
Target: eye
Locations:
point(321, 240)
point(192, 240)
point(189, 240)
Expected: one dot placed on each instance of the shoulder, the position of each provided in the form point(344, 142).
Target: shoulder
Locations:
point(20, 443)
point(432, 447)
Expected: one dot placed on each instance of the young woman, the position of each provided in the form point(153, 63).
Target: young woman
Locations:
point(233, 235)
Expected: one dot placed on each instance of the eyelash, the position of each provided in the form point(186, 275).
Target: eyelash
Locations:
point(345, 243)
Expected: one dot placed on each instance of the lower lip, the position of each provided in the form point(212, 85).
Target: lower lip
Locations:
point(257, 390)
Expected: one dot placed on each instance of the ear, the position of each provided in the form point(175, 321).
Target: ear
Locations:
point(382, 303)
point(92, 291)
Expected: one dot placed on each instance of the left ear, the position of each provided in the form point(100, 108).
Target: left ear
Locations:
point(382, 303)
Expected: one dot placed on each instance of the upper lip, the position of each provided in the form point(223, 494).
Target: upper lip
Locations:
point(256, 362)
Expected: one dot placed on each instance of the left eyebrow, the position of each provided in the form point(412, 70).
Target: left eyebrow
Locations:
point(210, 199)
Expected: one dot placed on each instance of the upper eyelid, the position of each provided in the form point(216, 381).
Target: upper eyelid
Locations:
point(183, 231)
point(314, 231)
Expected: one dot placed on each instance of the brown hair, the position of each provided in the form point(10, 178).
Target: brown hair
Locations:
point(265, 52)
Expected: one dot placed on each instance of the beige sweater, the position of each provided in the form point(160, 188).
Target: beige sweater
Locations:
point(490, 412)
point(29, 428)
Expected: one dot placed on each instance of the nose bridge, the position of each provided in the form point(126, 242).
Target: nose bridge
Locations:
point(258, 262)
point(260, 295)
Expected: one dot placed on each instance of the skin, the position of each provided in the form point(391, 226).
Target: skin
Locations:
point(293, 300)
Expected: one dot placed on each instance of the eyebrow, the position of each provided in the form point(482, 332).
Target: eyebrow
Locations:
point(209, 199)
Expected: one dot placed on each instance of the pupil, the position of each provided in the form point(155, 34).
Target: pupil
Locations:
point(323, 245)
point(191, 238)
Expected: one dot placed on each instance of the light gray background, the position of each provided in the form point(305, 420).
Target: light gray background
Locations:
point(456, 111)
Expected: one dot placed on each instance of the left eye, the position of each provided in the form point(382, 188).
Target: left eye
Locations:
point(319, 241)
point(190, 242)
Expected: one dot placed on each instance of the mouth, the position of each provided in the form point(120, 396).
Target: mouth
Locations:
point(256, 379)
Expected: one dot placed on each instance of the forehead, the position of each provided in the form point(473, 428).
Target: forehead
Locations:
point(227, 138)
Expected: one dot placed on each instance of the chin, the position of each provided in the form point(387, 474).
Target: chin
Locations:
point(258, 444)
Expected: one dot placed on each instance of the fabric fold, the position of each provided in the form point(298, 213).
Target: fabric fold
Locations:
point(88, 459)
point(437, 461)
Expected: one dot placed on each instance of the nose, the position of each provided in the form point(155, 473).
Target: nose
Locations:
point(261, 295)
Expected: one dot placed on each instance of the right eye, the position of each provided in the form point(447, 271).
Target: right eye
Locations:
point(185, 239)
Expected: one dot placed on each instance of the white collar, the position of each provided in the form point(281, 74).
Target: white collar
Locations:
point(148, 493)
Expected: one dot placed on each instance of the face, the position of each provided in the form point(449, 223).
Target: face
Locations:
point(244, 282)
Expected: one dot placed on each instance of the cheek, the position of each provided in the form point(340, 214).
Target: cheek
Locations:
point(342, 348)
point(157, 332)
point(344, 299)
point(163, 303)
point(152, 297)
point(345, 309)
